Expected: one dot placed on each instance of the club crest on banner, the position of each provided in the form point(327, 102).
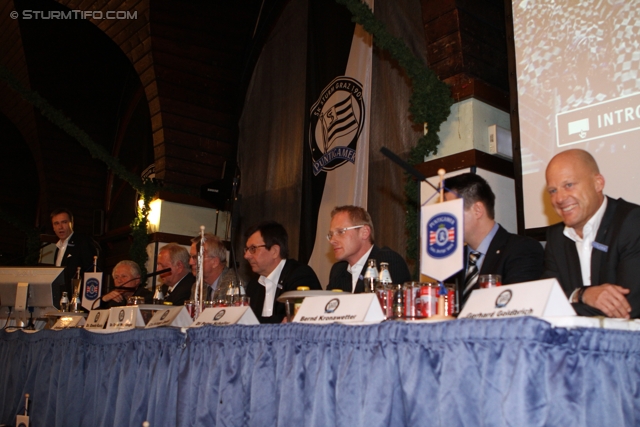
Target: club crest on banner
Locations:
point(441, 230)
point(335, 123)
point(91, 288)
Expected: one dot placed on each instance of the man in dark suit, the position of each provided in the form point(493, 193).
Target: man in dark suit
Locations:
point(179, 280)
point(215, 272)
point(73, 250)
point(351, 235)
point(595, 252)
point(267, 250)
point(493, 249)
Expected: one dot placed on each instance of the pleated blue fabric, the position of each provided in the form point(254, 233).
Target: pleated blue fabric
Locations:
point(512, 372)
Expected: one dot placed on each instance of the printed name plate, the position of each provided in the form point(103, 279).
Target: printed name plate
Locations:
point(540, 298)
point(223, 316)
point(97, 319)
point(65, 322)
point(340, 308)
point(124, 318)
point(170, 316)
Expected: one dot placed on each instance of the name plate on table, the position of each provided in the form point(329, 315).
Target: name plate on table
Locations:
point(338, 308)
point(540, 298)
point(223, 316)
point(170, 316)
point(97, 319)
point(65, 322)
point(124, 318)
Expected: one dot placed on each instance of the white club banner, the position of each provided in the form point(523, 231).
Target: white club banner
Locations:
point(442, 239)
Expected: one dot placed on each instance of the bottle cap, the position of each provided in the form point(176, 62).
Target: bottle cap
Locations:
point(303, 288)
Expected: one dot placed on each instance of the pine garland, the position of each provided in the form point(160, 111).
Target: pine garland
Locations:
point(430, 103)
point(147, 188)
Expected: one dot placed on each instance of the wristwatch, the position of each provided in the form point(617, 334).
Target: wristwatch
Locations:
point(577, 296)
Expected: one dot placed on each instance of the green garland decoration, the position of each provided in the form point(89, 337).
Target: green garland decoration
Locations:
point(430, 104)
point(31, 233)
point(147, 188)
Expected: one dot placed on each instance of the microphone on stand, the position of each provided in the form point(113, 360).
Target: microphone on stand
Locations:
point(142, 280)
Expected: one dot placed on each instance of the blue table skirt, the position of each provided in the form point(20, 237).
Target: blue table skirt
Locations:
point(513, 372)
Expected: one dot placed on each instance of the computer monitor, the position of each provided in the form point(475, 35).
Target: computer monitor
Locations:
point(44, 287)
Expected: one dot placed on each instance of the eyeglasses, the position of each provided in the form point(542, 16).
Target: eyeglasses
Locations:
point(340, 231)
point(252, 249)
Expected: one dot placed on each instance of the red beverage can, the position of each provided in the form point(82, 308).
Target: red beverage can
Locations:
point(411, 295)
point(385, 297)
point(427, 300)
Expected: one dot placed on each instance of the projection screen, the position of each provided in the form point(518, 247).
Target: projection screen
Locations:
point(577, 67)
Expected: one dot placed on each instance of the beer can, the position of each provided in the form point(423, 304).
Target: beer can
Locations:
point(411, 296)
point(427, 299)
point(190, 305)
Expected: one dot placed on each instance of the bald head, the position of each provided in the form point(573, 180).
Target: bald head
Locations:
point(575, 186)
point(580, 157)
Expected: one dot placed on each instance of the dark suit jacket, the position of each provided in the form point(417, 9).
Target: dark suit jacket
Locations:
point(340, 278)
point(293, 275)
point(79, 253)
point(182, 291)
point(515, 258)
point(619, 263)
point(140, 292)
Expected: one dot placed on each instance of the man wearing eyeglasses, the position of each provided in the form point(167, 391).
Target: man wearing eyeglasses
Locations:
point(215, 272)
point(351, 236)
point(267, 250)
point(179, 280)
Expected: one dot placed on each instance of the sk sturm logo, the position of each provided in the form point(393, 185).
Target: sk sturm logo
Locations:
point(219, 315)
point(91, 289)
point(165, 314)
point(121, 316)
point(441, 230)
point(335, 123)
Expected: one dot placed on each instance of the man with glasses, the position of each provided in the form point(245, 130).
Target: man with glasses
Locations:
point(179, 280)
point(267, 250)
point(352, 238)
point(215, 272)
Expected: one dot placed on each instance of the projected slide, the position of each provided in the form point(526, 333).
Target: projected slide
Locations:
point(578, 65)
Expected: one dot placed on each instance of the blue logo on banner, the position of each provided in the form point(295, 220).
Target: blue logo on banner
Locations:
point(442, 236)
point(91, 289)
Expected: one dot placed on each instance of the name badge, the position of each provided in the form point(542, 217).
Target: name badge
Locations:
point(124, 318)
point(540, 298)
point(170, 316)
point(224, 316)
point(97, 319)
point(600, 247)
point(65, 322)
point(361, 309)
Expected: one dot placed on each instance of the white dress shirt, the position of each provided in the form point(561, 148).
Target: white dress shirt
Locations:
point(584, 244)
point(270, 284)
point(62, 248)
point(357, 268)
